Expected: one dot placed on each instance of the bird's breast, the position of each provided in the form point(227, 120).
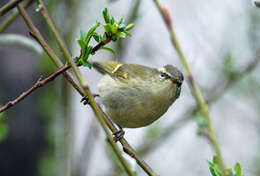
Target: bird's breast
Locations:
point(132, 106)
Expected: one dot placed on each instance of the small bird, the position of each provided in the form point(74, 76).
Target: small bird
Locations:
point(134, 95)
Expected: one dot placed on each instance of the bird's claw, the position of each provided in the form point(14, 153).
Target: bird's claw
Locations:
point(118, 135)
point(85, 100)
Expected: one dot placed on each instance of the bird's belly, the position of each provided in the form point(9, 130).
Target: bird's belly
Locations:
point(132, 107)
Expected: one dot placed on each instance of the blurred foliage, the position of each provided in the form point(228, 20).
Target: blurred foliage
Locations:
point(3, 128)
point(229, 66)
point(201, 122)
point(48, 165)
point(215, 170)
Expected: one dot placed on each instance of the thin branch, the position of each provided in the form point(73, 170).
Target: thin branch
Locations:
point(38, 84)
point(13, 16)
point(94, 106)
point(62, 70)
point(8, 6)
point(195, 88)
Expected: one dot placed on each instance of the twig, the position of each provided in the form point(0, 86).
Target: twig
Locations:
point(94, 106)
point(214, 95)
point(195, 89)
point(38, 84)
point(13, 16)
point(57, 73)
point(8, 6)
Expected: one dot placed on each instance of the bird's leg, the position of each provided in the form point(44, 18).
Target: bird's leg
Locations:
point(119, 134)
point(85, 99)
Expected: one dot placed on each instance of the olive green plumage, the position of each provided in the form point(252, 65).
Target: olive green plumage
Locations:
point(134, 95)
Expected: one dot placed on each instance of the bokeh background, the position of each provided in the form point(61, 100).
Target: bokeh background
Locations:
point(52, 133)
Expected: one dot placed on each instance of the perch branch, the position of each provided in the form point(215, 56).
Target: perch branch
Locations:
point(38, 84)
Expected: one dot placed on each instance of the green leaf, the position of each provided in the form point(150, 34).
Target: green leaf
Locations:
point(112, 21)
point(104, 36)
point(237, 169)
point(114, 28)
point(76, 59)
point(97, 37)
point(121, 35)
point(91, 31)
point(121, 27)
point(108, 29)
point(87, 64)
point(211, 168)
point(83, 34)
point(129, 27)
point(114, 38)
point(110, 50)
point(85, 55)
point(214, 167)
point(127, 33)
point(121, 21)
point(106, 15)
point(81, 43)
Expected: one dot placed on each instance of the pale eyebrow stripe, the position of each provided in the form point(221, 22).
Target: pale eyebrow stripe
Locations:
point(162, 69)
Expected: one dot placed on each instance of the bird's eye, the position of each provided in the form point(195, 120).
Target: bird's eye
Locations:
point(163, 75)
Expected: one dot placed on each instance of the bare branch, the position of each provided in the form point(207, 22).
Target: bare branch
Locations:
point(38, 84)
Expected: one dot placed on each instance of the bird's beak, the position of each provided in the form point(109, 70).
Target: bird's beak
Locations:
point(174, 81)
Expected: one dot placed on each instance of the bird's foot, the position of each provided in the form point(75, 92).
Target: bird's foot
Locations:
point(118, 135)
point(85, 99)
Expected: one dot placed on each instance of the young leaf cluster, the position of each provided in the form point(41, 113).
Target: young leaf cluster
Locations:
point(112, 31)
point(115, 30)
point(216, 171)
point(83, 42)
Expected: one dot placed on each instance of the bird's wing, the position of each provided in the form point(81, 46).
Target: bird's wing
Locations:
point(122, 71)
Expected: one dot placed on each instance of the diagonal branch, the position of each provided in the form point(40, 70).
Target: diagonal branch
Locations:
point(62, 70)
point(38, 84)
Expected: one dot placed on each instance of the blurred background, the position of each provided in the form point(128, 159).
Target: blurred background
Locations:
point(52, 133)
